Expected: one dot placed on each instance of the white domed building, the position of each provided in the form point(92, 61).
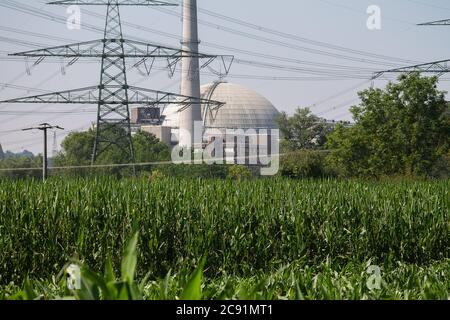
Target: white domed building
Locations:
point(243, 109)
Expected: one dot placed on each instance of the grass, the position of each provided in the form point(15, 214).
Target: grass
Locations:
point(269, 239)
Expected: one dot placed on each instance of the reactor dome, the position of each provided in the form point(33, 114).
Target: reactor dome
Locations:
point(243, 109)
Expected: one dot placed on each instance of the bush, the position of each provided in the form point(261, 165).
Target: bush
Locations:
point(15, 167)
point(305, 164)
point(157, 175)
point(193, 171)
point(239, 172)
point(441, 169)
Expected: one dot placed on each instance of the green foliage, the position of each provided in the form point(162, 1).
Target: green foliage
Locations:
point(77, 151)
point(193, 288)
point(402, 130)
point(239, 172)
point(157, 175)
point(27, 293)
point(130, 260)
point(193, 171)
point(95, 286)
point(21, 163)
point(303, 130)
point(441, 169)
point(246, 227)
point(148, 148)
point(293, 281)
point(304, 164)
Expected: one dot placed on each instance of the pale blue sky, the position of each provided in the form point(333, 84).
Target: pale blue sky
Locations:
point(336, 22)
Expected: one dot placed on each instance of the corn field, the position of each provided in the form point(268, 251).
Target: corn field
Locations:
point(260, 239)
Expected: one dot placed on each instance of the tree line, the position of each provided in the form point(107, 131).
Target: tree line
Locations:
point(401, 130)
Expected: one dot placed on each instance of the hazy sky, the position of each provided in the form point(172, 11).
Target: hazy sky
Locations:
point(332, 22)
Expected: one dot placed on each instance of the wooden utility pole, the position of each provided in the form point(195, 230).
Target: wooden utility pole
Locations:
point(44, 127)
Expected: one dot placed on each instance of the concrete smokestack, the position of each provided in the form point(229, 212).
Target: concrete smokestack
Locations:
point(190, 76)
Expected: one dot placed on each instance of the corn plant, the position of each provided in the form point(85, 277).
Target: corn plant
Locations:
point(247, 228)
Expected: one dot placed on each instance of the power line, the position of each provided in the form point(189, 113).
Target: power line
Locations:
point(12, 86)
point(34, 34)
point(281, 43)
point(281, 78)
point(337, 74)
point(114, 94)
point(87, 26)
point(339, 5)
point(9, 131)
point(428, 5)
point(23, 147)
point(298, 38)
point(258, 64)
point(339, 106)
point(59, 114)
point(297, 61)
point(339, 94)
point(121, 165)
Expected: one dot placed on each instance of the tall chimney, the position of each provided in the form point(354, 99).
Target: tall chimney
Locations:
point(190, 75)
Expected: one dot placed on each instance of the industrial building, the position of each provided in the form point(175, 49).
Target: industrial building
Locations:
point(243, 109)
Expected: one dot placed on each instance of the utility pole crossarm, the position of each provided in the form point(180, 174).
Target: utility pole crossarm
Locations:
point(88, 95)
point(117, 2)
point(445, 22)
point(43, 126)
point(129, 49)
point(436, 67)
point(136, 95)
point(132, 49)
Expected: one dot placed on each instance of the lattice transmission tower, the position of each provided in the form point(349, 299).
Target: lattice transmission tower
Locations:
point(436, 67)
point(113, 95)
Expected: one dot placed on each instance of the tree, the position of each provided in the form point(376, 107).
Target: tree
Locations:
point(148, 148)
point(304, 164)
point(21, 163)
point(303, 130)
point(403, 129)
point(77, 151)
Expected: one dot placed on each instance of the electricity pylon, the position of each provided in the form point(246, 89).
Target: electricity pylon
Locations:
point(445, 22)
point(436, 67)
point(113, 95)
